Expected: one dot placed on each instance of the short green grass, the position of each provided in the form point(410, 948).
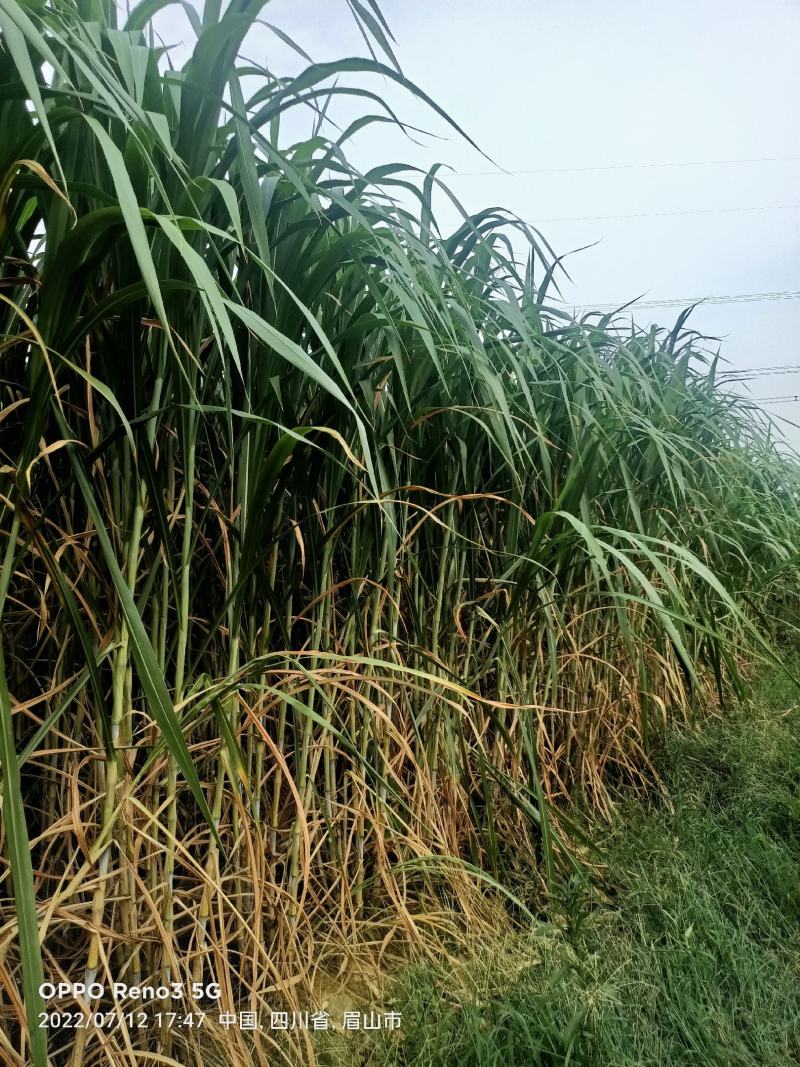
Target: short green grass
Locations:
point(689, 954)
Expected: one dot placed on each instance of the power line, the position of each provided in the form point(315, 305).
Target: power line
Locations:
point(790, 398)
point(665, 214)
point(686, 301)
point(758, 401)
point(620, 166)
point(768, 369)
point(757, 372)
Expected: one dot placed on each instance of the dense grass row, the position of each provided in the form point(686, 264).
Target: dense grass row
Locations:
point(334, 558)
point(684, 952)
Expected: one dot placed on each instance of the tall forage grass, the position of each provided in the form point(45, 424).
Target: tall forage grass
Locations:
point(335, 558)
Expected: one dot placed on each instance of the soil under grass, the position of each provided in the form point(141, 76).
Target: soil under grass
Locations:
point(687, 954)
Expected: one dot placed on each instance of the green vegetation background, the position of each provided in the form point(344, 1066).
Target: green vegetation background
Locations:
point(684, 954)
point(338, 559)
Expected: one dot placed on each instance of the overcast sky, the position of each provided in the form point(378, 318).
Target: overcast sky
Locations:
point(587, 94)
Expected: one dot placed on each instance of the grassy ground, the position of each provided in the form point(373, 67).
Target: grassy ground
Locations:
point(688, 955)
